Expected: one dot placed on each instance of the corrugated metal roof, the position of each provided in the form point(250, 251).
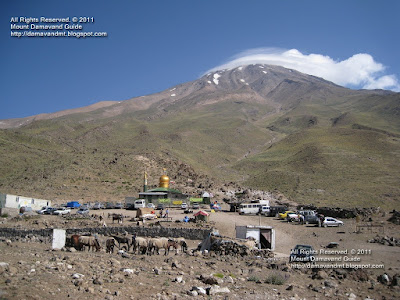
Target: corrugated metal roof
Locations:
point(152, 194)
point(160, 189)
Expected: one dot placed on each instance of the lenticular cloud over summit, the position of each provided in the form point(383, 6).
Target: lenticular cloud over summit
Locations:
point(359, 71)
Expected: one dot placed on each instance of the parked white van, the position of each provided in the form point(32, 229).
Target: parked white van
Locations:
point(265, 210)
point(140, 203)
point(253, 208)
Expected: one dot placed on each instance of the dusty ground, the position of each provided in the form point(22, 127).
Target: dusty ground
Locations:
point(29, 269)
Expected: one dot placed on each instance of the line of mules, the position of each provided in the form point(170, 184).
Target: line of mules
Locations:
point(140, 245)
point(79, 242)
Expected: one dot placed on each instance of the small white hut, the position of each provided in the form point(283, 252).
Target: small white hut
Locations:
point(264, 235)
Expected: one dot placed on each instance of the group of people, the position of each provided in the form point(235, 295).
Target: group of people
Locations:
point(161, 215)
point(301, 219)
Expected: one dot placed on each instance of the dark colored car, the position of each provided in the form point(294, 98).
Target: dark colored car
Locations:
point(160, 206)
point(302, 253)
point(275, 210)
point(119, 205)
point(109, 205)
point(130, 207)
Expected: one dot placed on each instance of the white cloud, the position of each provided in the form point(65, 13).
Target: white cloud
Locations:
point(383, 82)
point(359, 71)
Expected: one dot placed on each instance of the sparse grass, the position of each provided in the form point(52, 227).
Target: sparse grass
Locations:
point(166, 283)
point(219, 275)
point(330, 167)
point(319, 164)
point(253, 278)
point(276, 279)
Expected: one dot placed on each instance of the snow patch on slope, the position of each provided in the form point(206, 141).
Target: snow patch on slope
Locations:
point(216, 76)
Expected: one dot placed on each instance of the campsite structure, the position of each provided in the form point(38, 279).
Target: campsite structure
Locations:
point(162, 194)
point(14, 201)
point(202, 216)
point(263, 235)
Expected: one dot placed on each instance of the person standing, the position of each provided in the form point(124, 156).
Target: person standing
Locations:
point(321, 220)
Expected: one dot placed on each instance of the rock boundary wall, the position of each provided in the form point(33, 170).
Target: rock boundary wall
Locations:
point(187, 233)
point(345, 213)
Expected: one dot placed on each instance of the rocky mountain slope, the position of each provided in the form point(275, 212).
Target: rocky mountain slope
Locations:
point(257, 126)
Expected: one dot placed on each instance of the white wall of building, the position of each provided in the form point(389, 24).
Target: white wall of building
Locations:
point(13, 201)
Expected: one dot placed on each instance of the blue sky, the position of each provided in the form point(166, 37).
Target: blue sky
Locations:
point(153, 45)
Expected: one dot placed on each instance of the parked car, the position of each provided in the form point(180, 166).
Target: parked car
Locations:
point(275, 210)
point(328, 221)
point(184, 205)
point(302, 253)
point(49, 210)
point(139, 203)
point(119, 205)
point(265, 210)
point(130, 207)
point(160, 206)
point(196, 206)
point(310, 216)
point(293, 217)
point(284, 215)
point(61, 211)
point(83, 211)
point(42, 210)
point(98, 205)
point(110, 205)
point(151, 205)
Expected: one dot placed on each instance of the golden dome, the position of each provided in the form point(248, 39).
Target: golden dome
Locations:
point(164, 181)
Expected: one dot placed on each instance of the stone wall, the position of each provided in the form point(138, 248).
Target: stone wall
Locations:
point(187, 233)
point(345, 213)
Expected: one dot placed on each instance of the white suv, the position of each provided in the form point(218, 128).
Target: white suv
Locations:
point(61, 211)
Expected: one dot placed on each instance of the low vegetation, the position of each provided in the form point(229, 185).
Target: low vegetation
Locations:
point(315, 143)
point(276, 279)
